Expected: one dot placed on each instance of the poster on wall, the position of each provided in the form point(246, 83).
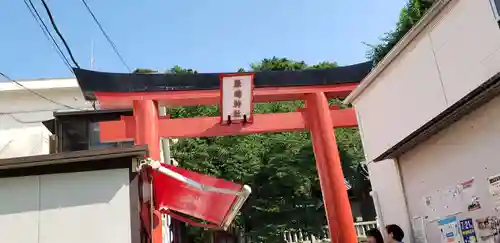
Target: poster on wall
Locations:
point(468, 189)
point(487, 228)
point(494, 188)
point(468, 232)
point(449, 230)
point(419, 230)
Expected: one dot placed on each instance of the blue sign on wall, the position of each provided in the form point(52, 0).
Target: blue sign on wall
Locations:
point(468, 232)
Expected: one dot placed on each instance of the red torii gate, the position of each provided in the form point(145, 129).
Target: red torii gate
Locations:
point(147, 127)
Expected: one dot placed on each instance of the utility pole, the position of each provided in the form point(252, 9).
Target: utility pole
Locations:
point(165, 142)
point(165, 154)
point(92, 54)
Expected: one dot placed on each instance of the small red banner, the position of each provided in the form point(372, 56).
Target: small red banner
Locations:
point(176, 195)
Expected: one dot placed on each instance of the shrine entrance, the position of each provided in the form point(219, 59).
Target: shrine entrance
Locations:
point(145, 92)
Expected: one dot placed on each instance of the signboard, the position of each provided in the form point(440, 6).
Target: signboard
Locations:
point(449, 230)
point(468, 232)
point(236, 98)
point(494, 188)
point(174, 195)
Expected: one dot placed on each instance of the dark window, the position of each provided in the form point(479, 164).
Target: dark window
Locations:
point(95, 141)
point(82, 132)
point(73, 135)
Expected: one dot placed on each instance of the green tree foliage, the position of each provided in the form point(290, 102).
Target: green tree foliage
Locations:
point(413, 11)
point(279, 167)
point(177, 69)
point(144, 70)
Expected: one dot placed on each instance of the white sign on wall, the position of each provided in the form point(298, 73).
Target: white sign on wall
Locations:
point(494, 188)
point(236, 98)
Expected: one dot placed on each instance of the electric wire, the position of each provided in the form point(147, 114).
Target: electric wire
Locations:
point(28, 111)
point(110, 41)
point(46, 32)
point(51, 18)
point(21, 121)
point(38, 94)
point(32, 111)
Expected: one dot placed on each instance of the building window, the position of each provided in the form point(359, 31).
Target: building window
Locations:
point(73, 135)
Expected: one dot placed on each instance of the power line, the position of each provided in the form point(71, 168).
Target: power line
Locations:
point(46, 32)
point(107, 36)
point(59, 33)
point(32, 111)
point(37, 94)
point(21, 121)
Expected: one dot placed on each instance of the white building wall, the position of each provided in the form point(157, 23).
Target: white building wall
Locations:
point(21, 113)
point(455, 53)
point(19, 204)
point(77, 207)
point(468, 149)
point(386, 183)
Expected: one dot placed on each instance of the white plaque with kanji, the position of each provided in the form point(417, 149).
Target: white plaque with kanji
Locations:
point(236, 98)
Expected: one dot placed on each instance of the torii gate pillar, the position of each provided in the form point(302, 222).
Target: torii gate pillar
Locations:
point(146, 120)
point(337, 206)
point(147, 133)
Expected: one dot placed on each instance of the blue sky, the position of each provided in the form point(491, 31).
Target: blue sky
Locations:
point(209, 36)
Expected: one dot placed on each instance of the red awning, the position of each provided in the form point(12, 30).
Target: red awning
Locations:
point(201, 196)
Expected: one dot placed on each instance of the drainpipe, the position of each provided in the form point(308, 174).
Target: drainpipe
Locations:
point(378, 210)
point(376, 202)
